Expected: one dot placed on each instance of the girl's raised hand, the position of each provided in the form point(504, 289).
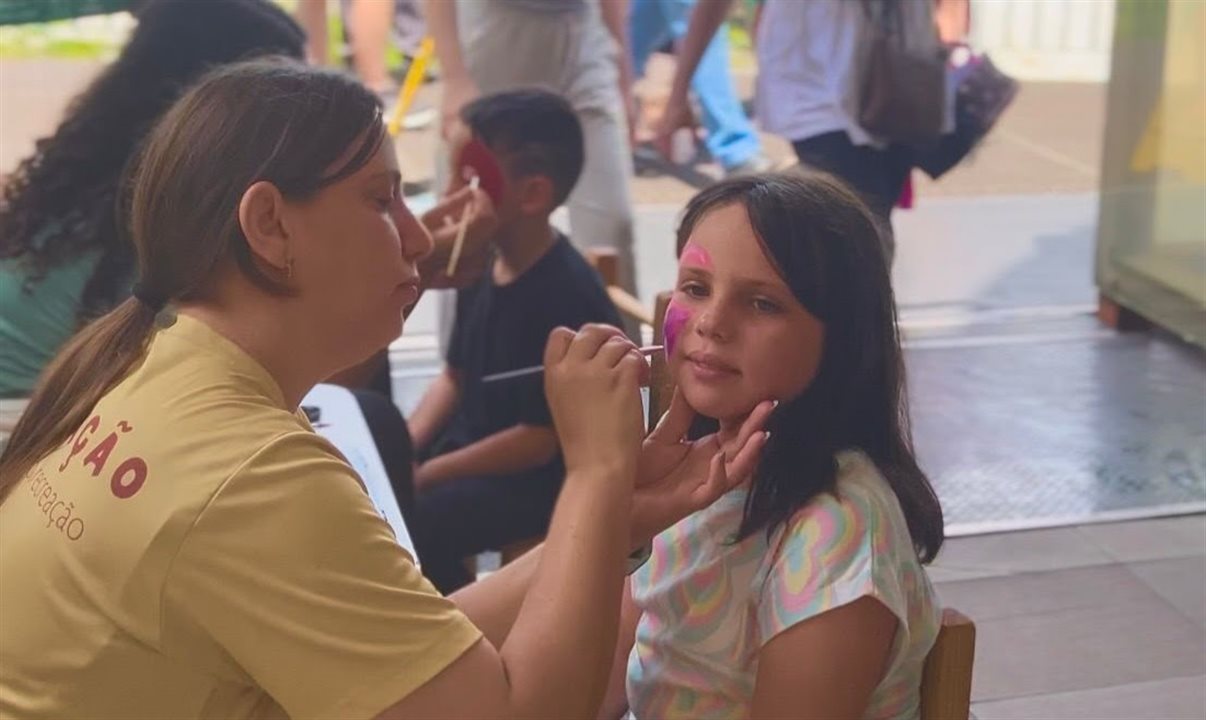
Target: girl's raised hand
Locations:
point(677, 476)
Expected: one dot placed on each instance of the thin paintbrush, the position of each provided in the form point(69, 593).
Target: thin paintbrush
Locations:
point(535, 369)
point(459, 243)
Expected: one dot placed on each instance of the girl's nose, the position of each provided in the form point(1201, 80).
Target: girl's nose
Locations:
point(713, 322)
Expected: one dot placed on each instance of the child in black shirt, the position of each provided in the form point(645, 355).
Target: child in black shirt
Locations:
point(493, 469)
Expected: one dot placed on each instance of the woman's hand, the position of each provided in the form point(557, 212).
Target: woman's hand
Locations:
point(443, 222)
point(592, 382)
point(677, 477)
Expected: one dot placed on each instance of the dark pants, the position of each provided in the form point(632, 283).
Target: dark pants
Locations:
point(466, 516)
point(392, 438)
point(877, 175)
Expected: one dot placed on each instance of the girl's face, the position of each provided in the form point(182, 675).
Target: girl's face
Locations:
point(357, 250)
point(735, 333)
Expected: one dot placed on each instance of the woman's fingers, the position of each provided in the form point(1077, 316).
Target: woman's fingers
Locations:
point(590, 340)
point(558, 345)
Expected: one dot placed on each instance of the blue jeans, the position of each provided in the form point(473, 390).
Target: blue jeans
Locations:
point(731, 138)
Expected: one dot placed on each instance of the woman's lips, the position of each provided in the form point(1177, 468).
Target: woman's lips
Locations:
point(409, 291)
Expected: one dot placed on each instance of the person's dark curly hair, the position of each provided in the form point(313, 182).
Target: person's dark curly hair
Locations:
point(64, 200)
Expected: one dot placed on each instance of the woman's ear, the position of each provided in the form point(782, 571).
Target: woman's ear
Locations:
point(260, 217)
point(536, 195)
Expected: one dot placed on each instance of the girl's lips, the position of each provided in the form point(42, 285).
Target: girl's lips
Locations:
point(710, 368)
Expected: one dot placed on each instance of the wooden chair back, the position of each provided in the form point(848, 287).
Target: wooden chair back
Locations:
point(947, 679)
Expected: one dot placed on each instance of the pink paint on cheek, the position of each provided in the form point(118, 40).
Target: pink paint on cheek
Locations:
point(695, 256)
point(676, 318)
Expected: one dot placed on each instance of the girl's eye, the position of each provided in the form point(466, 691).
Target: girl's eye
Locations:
point(766, 306)
point(694, 289)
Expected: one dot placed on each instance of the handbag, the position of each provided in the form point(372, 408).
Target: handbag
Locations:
point(982, 94)
point(903, 92)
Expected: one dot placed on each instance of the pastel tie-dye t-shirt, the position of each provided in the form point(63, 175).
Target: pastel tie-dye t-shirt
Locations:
point(709, 605)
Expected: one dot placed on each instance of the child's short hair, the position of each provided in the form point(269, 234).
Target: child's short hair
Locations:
point(533, 132)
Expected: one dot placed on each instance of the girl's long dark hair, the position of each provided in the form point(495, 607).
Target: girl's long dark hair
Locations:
point(824, 243)
point(64, 200)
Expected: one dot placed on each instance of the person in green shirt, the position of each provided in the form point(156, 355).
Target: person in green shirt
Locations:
point(65, 255)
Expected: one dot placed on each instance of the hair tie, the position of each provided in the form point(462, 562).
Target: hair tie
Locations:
point(148, 297)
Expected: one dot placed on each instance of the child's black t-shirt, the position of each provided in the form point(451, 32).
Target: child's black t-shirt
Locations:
point(501, 328)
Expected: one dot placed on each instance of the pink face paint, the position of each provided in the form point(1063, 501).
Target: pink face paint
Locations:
point(676, 319)
point(695, 256)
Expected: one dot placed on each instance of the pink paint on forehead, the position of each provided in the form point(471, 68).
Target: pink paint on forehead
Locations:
point(676, 318)
point(697, 256)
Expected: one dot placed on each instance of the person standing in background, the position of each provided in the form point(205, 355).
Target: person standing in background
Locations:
point(573, 48)
point(731, 139)
point(809, 82)
point(367, 23)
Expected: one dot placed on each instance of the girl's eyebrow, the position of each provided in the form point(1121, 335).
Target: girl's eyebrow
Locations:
point(745, 283)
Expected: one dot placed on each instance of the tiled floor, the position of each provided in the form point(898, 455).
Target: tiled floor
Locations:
point(1100, 621)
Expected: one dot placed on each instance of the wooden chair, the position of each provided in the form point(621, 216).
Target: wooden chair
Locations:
point(947, 678)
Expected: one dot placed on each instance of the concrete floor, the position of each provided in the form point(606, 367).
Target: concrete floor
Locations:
point(1098, 621)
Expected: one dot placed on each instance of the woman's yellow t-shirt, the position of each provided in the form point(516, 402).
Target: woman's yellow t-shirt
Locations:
point(194, 550)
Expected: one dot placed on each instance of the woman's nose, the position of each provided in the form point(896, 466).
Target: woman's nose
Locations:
point(416, 241)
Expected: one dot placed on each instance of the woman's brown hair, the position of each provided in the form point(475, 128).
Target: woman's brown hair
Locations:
point(268, 120)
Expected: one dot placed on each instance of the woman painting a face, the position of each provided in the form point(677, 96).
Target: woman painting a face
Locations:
point(206, 553)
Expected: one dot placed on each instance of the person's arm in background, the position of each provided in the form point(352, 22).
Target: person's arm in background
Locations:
point(312, 16)
point(615, 17)
point(459, 87)
point(437, 405)
point(706, 19)
point(506, 452)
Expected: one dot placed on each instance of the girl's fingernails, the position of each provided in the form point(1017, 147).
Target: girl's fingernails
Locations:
point(774, 404)
point(767, 435)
